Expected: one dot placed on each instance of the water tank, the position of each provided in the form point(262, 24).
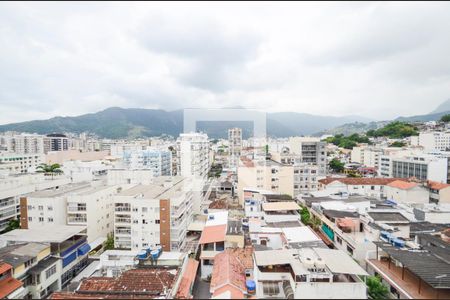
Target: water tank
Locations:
point(154, 254)
point(142, 254)
point(251, 287)
point(309, 263)
point(320, 264)
point(398, 243)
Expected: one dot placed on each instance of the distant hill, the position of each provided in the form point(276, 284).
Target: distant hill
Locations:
point(443, 107)
point(118, 122)
point(423, 118)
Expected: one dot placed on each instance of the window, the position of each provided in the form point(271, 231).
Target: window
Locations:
point(350, 249)
point(50, 220)
point(372, 188)
point(41, 207)
point(50, 271)
point(339, 240)
point(30, 219)
point(41, 219)
point(207, 262)
point(144, 209)
point(50, 207)
point(157, 222)
point(30, 207)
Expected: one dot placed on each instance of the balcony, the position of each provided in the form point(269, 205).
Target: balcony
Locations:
point(123, 220)
point(76, 220)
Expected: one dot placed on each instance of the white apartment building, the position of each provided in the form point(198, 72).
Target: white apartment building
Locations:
point(312, 151)
point(12, 187)
point(21, 163)
point(366, 155)
point(157, 160)
point(235, 146)
point(81, 204)
point(23, 143)
point(156, 214)
point(435, 140)
point(193, 155)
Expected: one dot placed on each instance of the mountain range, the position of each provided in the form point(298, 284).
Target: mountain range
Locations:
point(116, 122)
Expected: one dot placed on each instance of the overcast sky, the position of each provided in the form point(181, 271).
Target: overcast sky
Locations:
point(378, 60)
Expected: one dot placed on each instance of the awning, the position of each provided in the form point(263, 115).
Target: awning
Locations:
point(84, 249)
point(97, 242)
point(339, 262)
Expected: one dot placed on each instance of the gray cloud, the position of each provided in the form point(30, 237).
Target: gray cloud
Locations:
point(378, 60)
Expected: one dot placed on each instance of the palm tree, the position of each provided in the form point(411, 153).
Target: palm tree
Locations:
point(49, 169)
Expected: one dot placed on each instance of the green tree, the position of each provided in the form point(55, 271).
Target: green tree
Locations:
point(305, 215)
point(398, 144)
point(353, 173)
point(336, 165)
point(394, 130)
point(109, 243)
point(315, 223)
point(12, 224)
point(377, 290)
point(445, 118)
point(49, 169)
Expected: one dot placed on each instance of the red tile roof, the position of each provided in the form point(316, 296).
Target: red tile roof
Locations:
point(184, 290)
point(4, 267)
point(229, 271)
point(9, 284)
point(212, 234)
point(361, 181)
point(434, 185)
point(403, 185)
point(136, 283)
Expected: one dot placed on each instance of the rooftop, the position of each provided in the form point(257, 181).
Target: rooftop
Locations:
point(361, 181)
point(434, 185)
point(135, 283)
point(280, 206)
point(212, 234)
point(161, 187)
point(403, 185)
point(187, 280)
point(340, 214)
point(43, 234)
point(387, 217)
point(425, 265)
point(62, 190)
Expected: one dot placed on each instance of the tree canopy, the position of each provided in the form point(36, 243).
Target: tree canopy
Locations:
point(377, 290)
point(347, 142)
point(445, 118)
point(336, 165)
point(398, 144)
point(394, 130)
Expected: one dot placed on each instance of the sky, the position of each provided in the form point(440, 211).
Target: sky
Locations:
point(373, 59)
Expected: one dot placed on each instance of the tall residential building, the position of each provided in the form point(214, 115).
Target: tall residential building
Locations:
point(157, 160)
point(23, 143)
point(56, 142)
point(156, 214)
point(423, 167)
point(366, 155)
point(235, 146)
point(193, 155)
point(311, 150)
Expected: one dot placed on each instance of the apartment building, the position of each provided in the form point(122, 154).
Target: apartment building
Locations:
point(23, 143)
point(193, 155)
point(155, 214)
point(79, 204)
point(311, 150)
point(266, 175)
point(21, 163)
point(55, 256)
point(129, 177)
point(56, 142)
point(435, 140)
point(157, 160)
point(12, 187)
point(235, 146)
point(366, 155)
point(306, 175)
